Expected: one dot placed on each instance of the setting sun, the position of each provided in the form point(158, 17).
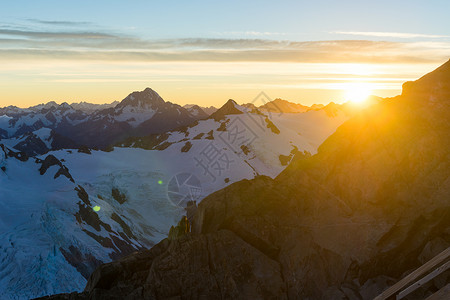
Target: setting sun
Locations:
point(357, 92)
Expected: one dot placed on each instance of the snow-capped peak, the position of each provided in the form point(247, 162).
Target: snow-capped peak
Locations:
point(47, 105)
point(144, 99)
point(196, 111)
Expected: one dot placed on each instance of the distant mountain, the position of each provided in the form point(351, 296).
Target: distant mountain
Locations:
point(39, 142)
point(17, 121)
point(282, 106)
point(99, 126)
point(208, 110)
point(371, 206)
point(197, 111)
point(139, 114)
point(229, 108)
point(90, 107)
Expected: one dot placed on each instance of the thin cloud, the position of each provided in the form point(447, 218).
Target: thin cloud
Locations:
point(249, 33)
point(50, 34)
point(308, 54)
point(59, 23)
point(104, 46)
point(401, 35)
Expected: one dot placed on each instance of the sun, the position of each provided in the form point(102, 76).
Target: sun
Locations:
point(357, 92)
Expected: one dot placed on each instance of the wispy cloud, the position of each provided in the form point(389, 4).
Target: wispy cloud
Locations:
point(401, 35)
point(89, 43)
point(249, 33)
point(59, 23)
point(55, 35)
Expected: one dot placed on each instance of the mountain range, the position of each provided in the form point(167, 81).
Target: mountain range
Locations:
point(371, 205)
point(68, 208)
point(94, 126)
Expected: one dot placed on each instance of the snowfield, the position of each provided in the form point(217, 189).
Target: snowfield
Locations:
point(54, 231)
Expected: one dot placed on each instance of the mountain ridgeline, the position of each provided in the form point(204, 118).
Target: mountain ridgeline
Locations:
point(98, 126)
point(346, 223)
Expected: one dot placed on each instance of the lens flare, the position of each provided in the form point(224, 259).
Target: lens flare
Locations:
point(357, 92)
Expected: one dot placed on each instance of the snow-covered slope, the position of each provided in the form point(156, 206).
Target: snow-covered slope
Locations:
point(57, 224)
point(65, 212)
point(253, 142)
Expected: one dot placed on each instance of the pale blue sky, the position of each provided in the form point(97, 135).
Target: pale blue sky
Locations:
point(302, 50)
point(295, 20)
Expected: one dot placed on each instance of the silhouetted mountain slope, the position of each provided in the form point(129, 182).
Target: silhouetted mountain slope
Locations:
point(370, 206)
point(283, 106)
point(208, 110)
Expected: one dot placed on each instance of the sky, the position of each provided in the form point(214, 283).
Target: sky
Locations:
point(206, 52)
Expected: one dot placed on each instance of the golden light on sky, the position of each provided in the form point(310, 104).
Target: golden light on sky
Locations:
point(304, 52)
point(205, 83)
point(357, 92)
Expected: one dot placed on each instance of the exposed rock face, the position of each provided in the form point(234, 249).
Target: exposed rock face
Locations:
point(51, 160)
point(186, 147)
point(118, 195)
point(372, 205)
point(229, 108)
point(32, 145)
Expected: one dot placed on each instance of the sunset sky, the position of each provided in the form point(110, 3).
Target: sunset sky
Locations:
point(206, 52)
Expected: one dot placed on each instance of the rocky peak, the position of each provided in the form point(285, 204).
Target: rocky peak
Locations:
point(197, 112)
point(207, 110)
point(145, 98)
point(48, 105)
point(11, 110)
point(65, 105)
point(283, 106)
point(229, 108)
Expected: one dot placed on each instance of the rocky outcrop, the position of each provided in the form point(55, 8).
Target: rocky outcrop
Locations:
point(51, 160)
point(118, 195)
point(10, 153)
point(187, 146)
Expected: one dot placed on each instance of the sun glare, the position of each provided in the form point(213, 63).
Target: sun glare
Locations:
point(357, 92)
